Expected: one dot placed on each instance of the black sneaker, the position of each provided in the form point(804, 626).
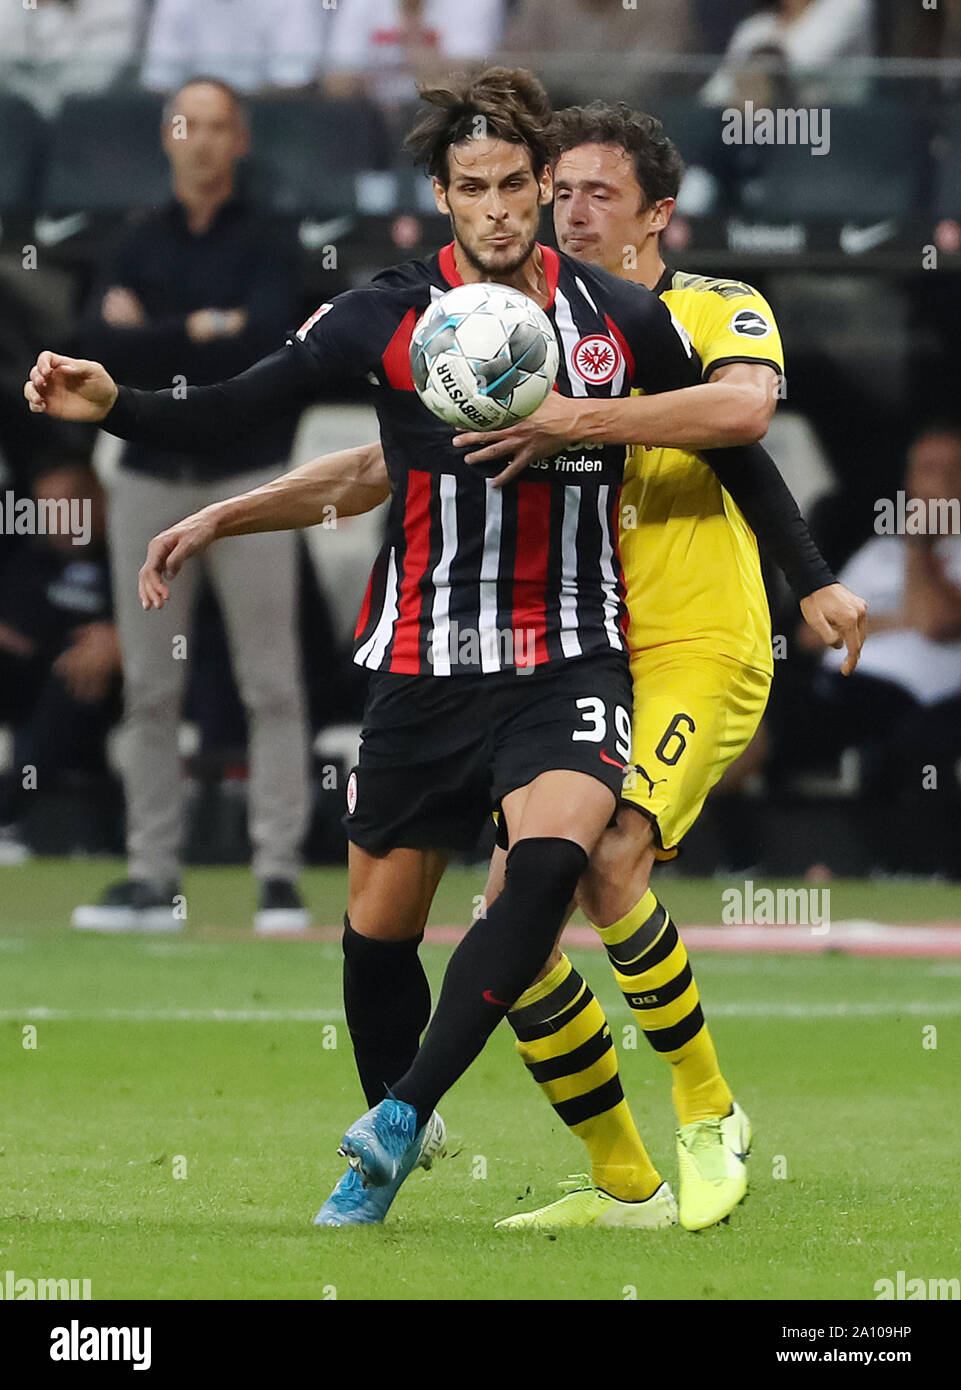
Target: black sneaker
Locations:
point(281, 908)
point(134, 905)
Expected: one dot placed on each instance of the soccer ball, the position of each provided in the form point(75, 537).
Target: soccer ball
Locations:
point(483, 356)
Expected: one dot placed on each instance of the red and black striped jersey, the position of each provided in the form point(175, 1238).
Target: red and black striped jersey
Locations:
point(471, 578)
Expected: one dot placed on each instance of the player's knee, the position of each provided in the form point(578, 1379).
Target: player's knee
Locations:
point(361, 947)
point(378, 911)
point(619, 871)
point(368, 923)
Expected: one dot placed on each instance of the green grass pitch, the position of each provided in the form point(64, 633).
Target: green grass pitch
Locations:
point(170, 1128)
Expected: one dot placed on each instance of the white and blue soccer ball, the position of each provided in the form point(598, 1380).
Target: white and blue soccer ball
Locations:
point(483, 356)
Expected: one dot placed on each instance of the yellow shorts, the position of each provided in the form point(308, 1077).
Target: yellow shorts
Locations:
point(694, 713)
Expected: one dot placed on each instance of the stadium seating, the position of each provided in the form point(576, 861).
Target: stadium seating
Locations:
point(873, 170)
point(307, 154)
point(311, 156)
point(22, 138)
point(105, 154)
point(694, 129)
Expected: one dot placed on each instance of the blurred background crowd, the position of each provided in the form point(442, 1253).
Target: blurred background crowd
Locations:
point(162, 257)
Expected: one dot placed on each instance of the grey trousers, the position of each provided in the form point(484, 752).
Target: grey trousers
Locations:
point(255, 581)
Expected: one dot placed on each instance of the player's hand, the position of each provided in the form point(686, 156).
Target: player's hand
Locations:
point(839, 618)
point(543, 434)
point(69, 388)
point(166, 554)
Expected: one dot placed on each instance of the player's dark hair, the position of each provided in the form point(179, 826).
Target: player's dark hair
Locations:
point(657, 161)
point(501, 103)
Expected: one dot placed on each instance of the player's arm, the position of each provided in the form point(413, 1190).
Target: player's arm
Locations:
point(733, 407)
point(342, 484)
point(190, 418)
point(752, 478)
point(754, 481)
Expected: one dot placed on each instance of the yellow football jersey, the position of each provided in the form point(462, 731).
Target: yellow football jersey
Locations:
point(690, 559)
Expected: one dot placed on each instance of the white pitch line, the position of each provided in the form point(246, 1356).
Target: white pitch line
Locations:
point(915, 1008)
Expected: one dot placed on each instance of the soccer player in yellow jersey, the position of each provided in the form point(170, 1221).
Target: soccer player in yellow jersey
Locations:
point(700, 641)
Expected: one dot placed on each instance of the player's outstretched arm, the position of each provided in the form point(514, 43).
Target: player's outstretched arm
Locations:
point(187, 418)
point(340, 485)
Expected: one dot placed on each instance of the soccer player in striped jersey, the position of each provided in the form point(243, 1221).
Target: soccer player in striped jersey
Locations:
point(546, 737)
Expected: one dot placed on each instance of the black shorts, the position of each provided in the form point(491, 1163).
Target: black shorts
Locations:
point(439, 752)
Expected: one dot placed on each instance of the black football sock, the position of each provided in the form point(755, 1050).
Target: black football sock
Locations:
point(387, 1001)
point(493, 965)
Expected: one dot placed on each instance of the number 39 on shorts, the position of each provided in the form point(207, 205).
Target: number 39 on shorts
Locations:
point(593, 715)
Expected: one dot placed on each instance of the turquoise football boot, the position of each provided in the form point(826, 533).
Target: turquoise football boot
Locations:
point(353, 1204)
point(384, 1145)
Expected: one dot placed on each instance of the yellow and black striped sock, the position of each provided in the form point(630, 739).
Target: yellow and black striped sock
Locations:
point(651, 966)
point(566, 1043)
